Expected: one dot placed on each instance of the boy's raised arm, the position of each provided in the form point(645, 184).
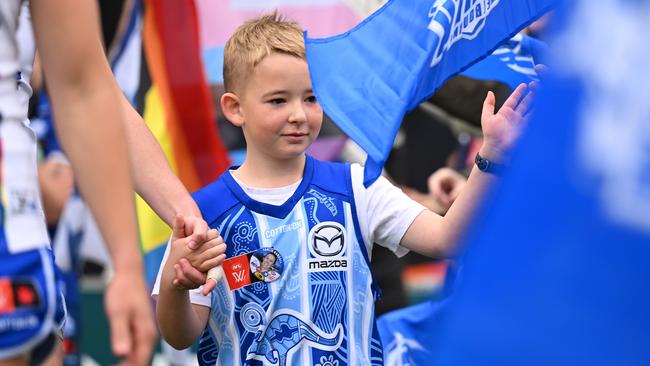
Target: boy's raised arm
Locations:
point(436, 236)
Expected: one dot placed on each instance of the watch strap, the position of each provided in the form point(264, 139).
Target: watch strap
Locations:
point(488, 166)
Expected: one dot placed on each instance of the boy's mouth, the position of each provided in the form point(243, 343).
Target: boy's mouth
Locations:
point(296, 134)
point(297, 138)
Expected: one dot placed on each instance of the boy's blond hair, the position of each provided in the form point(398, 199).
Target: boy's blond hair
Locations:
point(256, 39)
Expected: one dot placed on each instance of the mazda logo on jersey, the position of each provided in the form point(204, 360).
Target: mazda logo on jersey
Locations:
point(327, 239)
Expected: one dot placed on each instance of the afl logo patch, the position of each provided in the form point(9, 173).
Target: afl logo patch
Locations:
point(327, 239)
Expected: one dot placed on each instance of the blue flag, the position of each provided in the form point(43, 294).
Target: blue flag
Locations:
point(409, 334)
point(559, 271)
point(369, 77)
point(512, 63)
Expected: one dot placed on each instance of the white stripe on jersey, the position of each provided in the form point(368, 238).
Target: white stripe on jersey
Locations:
point(368, 323)
point(368, 319)
point(305, 290)
point(24, 223)
point(350, 233)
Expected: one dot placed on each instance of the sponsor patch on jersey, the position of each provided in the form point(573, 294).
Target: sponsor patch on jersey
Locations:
point(262, 265)
point(17, 295)
point(327, 244)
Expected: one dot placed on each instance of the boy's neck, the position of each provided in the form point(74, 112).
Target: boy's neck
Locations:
point(262, 173)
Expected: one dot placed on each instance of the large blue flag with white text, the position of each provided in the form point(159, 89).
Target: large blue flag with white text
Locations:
point(557, 272)
point(512, 63)
point(367, 78)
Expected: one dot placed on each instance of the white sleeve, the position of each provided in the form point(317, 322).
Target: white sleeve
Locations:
point(196, 297)
point(384, 212)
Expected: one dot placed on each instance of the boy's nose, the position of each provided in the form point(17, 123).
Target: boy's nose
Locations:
point(298, 114)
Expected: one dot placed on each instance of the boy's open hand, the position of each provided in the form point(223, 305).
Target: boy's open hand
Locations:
point(501, 130)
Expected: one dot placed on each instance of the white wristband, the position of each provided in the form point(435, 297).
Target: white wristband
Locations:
point(215, 274)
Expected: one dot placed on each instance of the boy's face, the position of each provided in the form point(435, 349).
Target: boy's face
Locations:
point(281, 116)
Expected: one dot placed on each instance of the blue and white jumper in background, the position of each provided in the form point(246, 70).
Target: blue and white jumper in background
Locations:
point(28, 294)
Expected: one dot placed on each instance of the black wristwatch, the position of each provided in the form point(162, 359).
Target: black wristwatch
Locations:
point(487, 166)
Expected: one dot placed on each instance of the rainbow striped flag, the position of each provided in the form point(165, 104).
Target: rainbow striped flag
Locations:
point(173, 97)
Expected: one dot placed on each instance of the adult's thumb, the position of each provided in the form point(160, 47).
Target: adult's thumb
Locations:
point(178, 227)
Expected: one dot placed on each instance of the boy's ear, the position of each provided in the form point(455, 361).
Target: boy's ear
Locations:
point(231, 107)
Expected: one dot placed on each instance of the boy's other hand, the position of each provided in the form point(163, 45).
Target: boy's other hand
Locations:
point(502, 129)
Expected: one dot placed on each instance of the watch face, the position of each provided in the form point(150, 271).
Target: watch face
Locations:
point(482, 165)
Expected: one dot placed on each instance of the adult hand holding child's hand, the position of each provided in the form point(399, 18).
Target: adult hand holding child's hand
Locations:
point(192, 264)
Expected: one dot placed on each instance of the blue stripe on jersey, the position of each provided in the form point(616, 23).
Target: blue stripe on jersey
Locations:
point(321, 308)
point(25, 321)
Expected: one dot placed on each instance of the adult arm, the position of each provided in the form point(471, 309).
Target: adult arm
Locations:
point(154, 179)
point(90, 128)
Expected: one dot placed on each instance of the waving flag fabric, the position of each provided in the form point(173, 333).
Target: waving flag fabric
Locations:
point(408, 335)
point(512, 63)
point(558, 272)
point(367, 78)
point(176, 104)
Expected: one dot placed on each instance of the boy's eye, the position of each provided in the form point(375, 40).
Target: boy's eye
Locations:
point(311, 99)
point(277, 101)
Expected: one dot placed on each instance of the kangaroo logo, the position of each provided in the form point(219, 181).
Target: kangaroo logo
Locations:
point(327, 239)
point(286, 333)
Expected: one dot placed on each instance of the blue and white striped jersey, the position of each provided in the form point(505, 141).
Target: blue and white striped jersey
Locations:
point(302, 290)
point(28, 293)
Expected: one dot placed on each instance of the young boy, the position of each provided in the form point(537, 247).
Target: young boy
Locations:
point(316, 217)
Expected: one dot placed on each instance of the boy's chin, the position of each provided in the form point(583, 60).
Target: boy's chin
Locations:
point(292, 154)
